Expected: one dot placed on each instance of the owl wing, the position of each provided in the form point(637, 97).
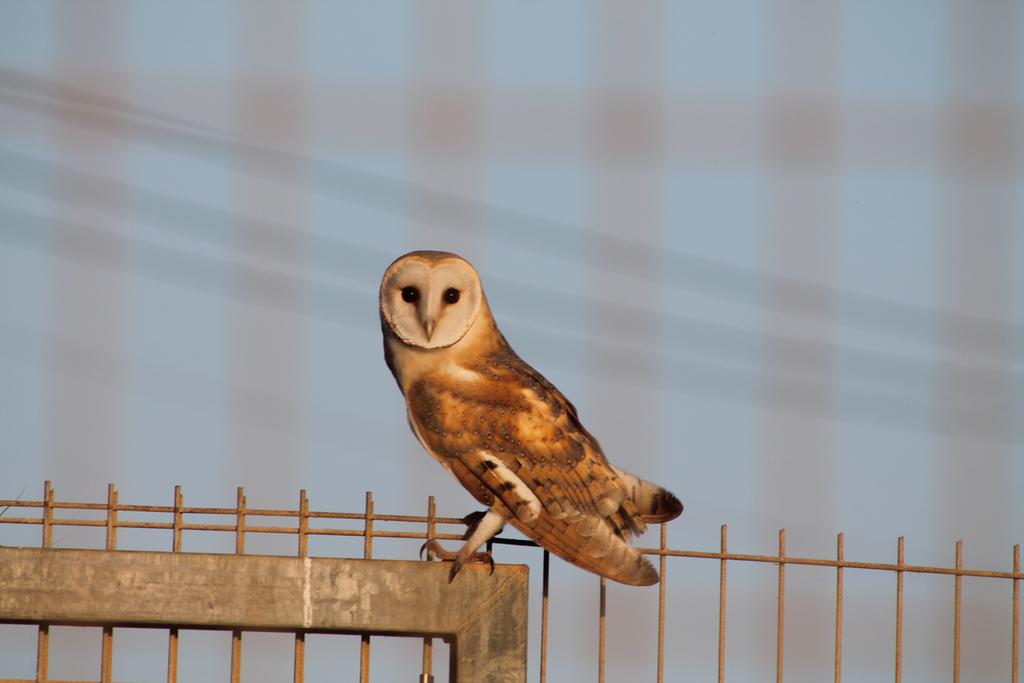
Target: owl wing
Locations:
point(516, 443)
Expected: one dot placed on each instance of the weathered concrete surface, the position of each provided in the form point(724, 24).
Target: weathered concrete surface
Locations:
point(484, 615)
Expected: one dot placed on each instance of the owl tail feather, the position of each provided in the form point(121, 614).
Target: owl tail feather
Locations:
point(592, 544)
point(653, 504)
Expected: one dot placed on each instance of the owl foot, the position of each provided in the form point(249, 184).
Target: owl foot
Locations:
point(434, 551)
point(475, 558)
point(482, 526)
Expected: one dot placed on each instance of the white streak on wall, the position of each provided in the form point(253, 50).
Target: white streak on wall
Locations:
point(307, 598)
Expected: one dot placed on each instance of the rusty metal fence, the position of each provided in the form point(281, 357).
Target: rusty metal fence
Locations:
point(175, 520)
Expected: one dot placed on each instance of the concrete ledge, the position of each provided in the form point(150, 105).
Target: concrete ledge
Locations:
point(484, 616)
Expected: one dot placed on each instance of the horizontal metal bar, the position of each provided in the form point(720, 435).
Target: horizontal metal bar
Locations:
point(846, 564)
point(416, 519)
point(246, 529)
point(252, 512)
point(20, 520)
point(56, 521)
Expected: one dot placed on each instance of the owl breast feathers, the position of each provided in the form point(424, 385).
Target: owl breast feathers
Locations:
point(506, 433)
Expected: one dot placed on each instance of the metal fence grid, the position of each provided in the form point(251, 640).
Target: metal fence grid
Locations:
point(175, 519)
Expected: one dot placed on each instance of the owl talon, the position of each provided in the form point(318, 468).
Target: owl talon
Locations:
point(434, 551)
point(475, 558)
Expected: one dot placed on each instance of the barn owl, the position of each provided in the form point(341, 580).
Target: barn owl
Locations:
point(505, 432)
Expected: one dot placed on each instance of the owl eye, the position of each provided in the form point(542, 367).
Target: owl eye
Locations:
point(451, 295)
point(410, 294)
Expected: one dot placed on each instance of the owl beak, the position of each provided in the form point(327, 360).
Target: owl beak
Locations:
point(430, 312)
point(429, 324)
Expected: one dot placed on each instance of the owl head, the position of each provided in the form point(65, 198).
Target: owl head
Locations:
point(430, 299)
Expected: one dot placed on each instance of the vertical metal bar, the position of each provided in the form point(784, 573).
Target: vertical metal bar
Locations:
point(601, 632)
point(240, 522)
point(899, 610)
point(839, 609)
point(426, 671)
point(544, 619)
point(236, 635)
point(299, 670)
point(661, 607)
point(956, 612)
point(303, 524)
point(364, 644)
point(428, 661)
point(172, 656)
point(172, 636)
point(43, 639)
point(111, 517)
point(236, 656)
point(1015, 639)
point(781, 625)
point(47, 514)
point(43, 653)
point(106, 659)
point(178, 520)
point(721, 607)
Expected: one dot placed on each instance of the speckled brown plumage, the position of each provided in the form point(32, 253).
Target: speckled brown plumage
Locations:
point(544, 444)
point(517, 445)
